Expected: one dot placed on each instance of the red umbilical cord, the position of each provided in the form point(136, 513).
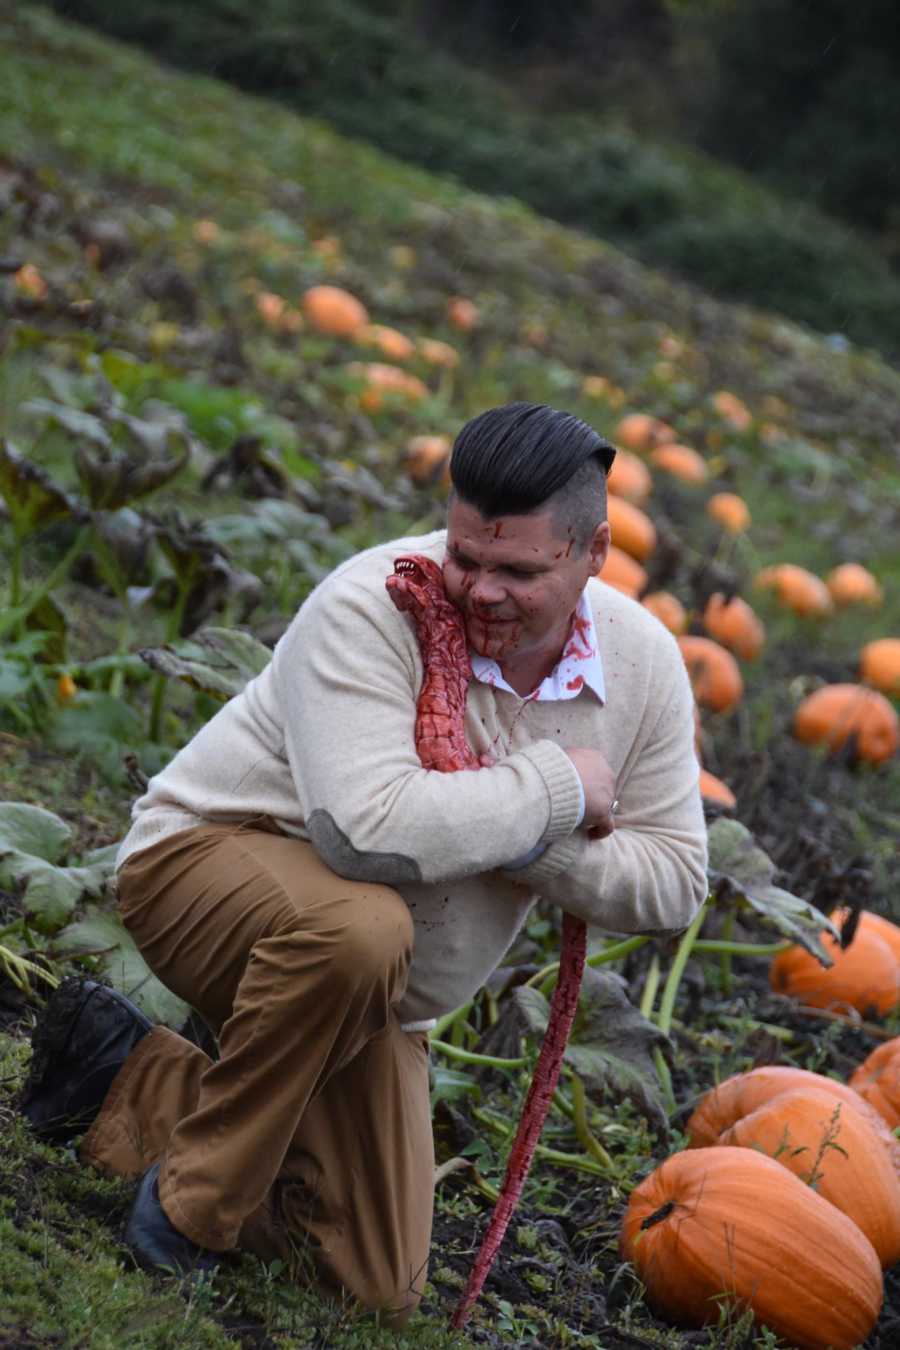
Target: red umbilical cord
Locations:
point(563, 1007)
point(418, 588)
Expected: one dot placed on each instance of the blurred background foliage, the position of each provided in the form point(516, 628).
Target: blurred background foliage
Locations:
point(750, 146)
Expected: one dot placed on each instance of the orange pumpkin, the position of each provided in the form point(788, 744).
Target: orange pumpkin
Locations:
point(621, 570)
point(735, 624)
point(334, 311)
point(712, 789)
point(629, 477)
point(463, 313)
point(730, 511)
point(632, 529)
point(796, 589)
point(438, 353)
point(743, 1092)
point(392, 344)
point(732, 409)
point(828, 1144)
point(681, 462)
point(668, 609)
point(864, 976)
point(853, 584)
point(879, 665)
point(877, 1080)
point(874, 923)
point(732, 1222)
point(831, 715)
point(29, 281)
point(714, 673)
point(66, 688)
point(381, 380)
point(640, 431)
point(426, 456)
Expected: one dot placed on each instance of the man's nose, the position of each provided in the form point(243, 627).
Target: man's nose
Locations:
point(487, 589)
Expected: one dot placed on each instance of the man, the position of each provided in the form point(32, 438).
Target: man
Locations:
point(299, 878)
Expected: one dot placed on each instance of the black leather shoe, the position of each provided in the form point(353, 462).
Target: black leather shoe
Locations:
point(155, 1242)
point(83, 1037)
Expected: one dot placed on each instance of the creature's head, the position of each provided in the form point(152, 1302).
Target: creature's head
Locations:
point(417, 583)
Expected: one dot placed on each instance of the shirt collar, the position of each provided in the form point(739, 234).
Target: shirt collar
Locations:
point(579, 666)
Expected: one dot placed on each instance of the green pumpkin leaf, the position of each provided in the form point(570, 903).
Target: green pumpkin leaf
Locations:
point(102, 932)
point(32, 497)
point(218, 661)
point(612, 1043)
point(31, 829)
point(741, 875)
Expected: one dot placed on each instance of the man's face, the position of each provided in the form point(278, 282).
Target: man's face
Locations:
point(516, 580)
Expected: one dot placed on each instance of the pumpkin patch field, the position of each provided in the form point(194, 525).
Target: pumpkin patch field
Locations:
point(235, 349)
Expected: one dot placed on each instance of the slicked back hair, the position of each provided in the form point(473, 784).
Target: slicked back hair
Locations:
point(527, 457)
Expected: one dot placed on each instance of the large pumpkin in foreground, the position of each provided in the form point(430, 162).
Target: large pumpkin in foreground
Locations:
point(730, 1222)
point(742, 1093)
point(828, 1144)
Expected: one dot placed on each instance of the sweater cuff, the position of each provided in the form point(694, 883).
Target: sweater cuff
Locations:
point(551, 862)
point(563, 784)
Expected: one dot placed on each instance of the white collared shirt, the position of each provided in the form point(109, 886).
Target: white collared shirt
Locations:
point(579, 666)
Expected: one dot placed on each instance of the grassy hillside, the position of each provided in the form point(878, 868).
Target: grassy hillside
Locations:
point(373, 77)
point(195, 453)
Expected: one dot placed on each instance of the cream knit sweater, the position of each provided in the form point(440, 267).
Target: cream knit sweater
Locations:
point(322, 742)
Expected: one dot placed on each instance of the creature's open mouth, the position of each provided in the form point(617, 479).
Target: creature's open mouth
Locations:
point(405, 566)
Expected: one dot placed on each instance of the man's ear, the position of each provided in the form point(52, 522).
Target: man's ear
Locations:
point(599, 547)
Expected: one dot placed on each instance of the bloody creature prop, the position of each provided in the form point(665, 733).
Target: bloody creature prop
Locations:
point(417, 587)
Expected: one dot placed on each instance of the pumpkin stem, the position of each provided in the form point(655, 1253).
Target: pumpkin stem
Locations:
point(658, 1215)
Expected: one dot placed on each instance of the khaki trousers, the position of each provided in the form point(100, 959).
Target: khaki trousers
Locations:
point(309, 1139)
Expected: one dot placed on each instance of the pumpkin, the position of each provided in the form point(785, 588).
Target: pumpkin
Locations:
point(640, 431)
point(828, 1144)
point(875, 923)
point(632, 529)
point(732, 409)
point(830, 715)
point(681, 462)
point(668, 609)
point(853, 584)
point(879, 665)
point(462, 313)
point(29, 281)
point(712, 789)
point(392, 344)
point(730, 1221)
point(621, 570)
point(381, 380)
point(714, 673)
point(66, 688)
point(629, 477)
point(735, 624)
point(334, 311)
point(864, 976)
point(205, 231)
point(730, 511)
point(877, 1080)
point(796, 588)
point(426, 456)
point(743, 1092)
point(438, 353)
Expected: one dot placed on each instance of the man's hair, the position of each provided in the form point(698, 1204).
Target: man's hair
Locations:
point(525, 457)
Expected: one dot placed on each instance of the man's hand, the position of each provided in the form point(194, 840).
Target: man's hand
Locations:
point(599, 785)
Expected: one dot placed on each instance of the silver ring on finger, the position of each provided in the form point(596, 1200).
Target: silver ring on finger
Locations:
point(614, 806)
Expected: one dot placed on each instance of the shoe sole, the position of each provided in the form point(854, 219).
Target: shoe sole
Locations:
point(53, 1035)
